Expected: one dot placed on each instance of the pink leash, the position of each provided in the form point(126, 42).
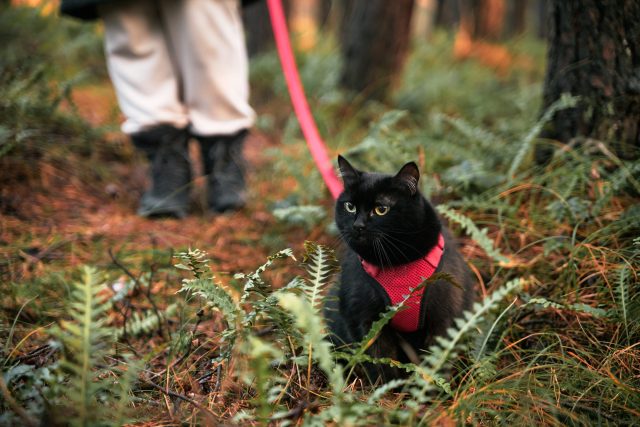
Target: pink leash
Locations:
point(299, 100)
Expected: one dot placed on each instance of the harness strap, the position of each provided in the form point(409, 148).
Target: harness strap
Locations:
point(398, 281)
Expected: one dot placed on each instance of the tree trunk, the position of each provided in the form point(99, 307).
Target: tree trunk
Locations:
point(423, 19)
point(447, 14)
point(542, 18)
point(375, 45)
point(483, 19)
point(303, 20)
point(516, 21)
point(594, 53)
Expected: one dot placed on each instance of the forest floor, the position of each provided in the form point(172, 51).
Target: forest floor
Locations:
point(68, 217)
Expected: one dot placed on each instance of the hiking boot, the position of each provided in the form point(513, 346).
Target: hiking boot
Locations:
point(170, 171)
point(224, 166)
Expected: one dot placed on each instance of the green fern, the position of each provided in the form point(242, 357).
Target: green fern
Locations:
point(615, 182)
point(446, 348)
point(84, 338)
point(484, 337)
point(260, 354)
point(312, 324)
point(214, 295)
point(145, 323)
point(305, 215)
point(194, 261)
point(478, 235)
point(254, 281)
point(321, 264)
point(476, 134)
point(379, 392)
point(127, 378)
point(577, 307)
point(565, 101)
point(623, 297)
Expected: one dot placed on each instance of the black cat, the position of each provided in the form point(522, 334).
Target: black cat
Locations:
point(392, 234)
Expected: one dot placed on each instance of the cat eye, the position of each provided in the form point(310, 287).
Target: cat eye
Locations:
point(350, 207)
point(381, 210)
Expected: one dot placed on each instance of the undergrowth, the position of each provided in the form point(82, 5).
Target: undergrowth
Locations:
point(552, 340)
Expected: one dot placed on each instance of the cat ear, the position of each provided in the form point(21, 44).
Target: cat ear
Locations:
point(408, 177)
point(348, 173)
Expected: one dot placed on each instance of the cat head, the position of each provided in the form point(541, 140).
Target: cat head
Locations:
point(384, 218)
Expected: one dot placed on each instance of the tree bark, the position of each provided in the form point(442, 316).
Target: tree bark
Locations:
point(594, 53)
point(375, 45)
point(542, 18)
point(423, 19)
point(483, 19)
point(303, 20)
point(447, 14)
point(516, 21)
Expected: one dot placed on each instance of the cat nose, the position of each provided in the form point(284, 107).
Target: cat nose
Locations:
point(358, 224)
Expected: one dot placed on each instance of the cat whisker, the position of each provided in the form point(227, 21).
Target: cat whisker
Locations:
point(388, 240)
point(384, 256)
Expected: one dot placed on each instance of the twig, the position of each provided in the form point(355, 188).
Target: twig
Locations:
point(212, 416)
point(147, 293)
point(216, 388)
point(294, 413)
point(33, 259)
point(122, 267)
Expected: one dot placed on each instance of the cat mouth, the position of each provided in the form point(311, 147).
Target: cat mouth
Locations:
point(359, 240)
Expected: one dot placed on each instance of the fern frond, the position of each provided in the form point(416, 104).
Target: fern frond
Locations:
point(84, 338)
point(577, 307)
point(478, 235)
point(254, 282)
point(320, 263)
point(312, 324)
point(195, 261)
point(615, 182)
point(384, 389)
point(261, 353)
point(126, 379)
point(624, 298)
point(446, 347)
point(475, 133)
point(479, 353)
point(374, 331)
point(145, 323)
point(215, 296)
point(355, 359)
point(305, 215)
point(565, 101)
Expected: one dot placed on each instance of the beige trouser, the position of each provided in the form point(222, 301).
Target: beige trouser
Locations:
point(179, 62)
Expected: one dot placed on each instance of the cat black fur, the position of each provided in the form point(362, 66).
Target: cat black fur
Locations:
point(407, 232)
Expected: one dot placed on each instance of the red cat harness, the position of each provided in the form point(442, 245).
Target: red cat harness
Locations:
point(398, 281)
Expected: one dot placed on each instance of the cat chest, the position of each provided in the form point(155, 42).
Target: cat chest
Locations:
point(399, 283)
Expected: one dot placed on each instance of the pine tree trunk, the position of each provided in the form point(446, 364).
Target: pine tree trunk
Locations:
point(482, 19)
point(375, 45)
point(594, 53)
point(516, 21)
point(447, 14)
point(303, 20)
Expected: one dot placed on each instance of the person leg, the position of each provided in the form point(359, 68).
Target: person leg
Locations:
point(144, 76)
point(208, 41)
